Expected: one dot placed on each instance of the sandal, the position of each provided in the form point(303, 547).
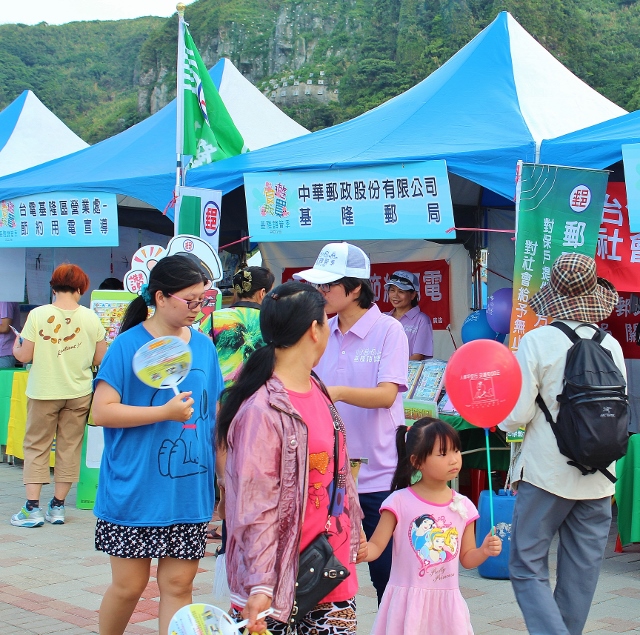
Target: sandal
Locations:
point(213, 534)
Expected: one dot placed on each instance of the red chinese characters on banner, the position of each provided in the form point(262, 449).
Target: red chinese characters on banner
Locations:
point(618, 251)
point(618, 260)
point(434, 287)
point(622, 324)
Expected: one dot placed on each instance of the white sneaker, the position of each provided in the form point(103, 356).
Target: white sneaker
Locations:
point(54, 515)
point(26, 518)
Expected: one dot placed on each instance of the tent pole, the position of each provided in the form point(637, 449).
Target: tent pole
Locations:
point(180, 99)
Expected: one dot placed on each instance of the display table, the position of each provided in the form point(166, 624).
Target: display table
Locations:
point(628, 493)
point(474, 455)
point(17, 423)
point(6, 385)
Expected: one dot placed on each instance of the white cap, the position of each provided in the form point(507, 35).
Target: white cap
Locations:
point(335, 261)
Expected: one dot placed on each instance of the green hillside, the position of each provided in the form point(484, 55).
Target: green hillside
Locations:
point(85, 72)
point(101, 77)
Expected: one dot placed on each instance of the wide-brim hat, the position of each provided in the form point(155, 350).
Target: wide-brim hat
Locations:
point(575, 292)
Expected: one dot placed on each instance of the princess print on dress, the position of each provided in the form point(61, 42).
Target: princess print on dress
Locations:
point(420, 527)
point(433, 541)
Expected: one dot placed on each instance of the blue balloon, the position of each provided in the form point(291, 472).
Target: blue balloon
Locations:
point(499, 310)
point(476, 327)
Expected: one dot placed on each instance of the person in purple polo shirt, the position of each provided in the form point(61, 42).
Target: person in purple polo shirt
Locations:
point(9, 316)
point(403, 289)
point(365, 367)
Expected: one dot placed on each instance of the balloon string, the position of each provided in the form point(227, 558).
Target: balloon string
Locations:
point(486, 437)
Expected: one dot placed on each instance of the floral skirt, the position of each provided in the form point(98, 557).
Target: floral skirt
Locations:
point(183, 541)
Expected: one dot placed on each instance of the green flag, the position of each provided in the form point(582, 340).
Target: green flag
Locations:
point(209, 132)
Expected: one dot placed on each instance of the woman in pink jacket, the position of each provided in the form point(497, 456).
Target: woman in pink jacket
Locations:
point(278, 427)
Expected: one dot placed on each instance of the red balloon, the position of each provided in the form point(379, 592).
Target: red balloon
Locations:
point(483, 381)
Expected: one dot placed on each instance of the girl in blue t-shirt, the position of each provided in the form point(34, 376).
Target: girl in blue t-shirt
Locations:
point(155, 493)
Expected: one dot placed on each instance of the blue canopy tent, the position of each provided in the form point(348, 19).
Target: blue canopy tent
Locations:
point(139, 164)
point(597, 147)
point(490, 105)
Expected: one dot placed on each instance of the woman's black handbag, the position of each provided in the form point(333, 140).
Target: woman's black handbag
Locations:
point(319, 571)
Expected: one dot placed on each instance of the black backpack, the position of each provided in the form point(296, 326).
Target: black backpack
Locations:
point(593, 421)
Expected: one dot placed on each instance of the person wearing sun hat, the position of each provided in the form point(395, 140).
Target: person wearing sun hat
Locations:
point(365, 368)
point(402, 288)
point(554, 497)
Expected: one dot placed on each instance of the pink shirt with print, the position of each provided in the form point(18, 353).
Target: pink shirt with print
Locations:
point(313, 408)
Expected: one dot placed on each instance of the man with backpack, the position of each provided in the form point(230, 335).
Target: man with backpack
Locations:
point(567, 463)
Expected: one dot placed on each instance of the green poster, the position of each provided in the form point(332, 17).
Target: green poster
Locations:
point(558, 210)
point(89, 467)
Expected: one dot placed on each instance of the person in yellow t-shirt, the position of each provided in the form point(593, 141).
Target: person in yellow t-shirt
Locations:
point(63, 340)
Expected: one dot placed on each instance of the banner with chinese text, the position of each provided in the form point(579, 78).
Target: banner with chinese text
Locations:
point(618, 260)
point(622, 324)
point(631, 160)
point(558, 210)
point(433, 298)
point(60, 219)
point(398, 201)
point(618, 252)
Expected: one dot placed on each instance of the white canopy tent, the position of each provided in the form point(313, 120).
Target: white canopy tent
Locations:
point(30, 134)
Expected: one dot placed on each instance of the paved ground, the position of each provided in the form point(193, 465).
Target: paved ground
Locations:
point(52, 580)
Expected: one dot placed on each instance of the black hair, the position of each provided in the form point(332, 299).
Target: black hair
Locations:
point(420, 519)
point(365, 299)
point(170, 275)
point(418, 441)
point(287, 313)
point(111, 284)
point(251, 279)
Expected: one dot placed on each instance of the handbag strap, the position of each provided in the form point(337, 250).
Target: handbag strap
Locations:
point(335, 475)
point(336, 451)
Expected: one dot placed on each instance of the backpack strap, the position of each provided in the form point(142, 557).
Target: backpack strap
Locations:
point(611, 477)
point(574, 337)
point(598, 336)
point(545, 410)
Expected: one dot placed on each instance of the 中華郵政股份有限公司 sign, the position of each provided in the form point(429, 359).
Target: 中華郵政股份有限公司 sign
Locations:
point(395, 201)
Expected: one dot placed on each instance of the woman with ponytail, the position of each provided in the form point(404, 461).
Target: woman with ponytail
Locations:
point(236, 334)
point(155, 495)
point(277, 424)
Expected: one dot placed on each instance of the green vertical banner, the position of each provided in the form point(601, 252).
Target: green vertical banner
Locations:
point(189, 216)
point(558, 210)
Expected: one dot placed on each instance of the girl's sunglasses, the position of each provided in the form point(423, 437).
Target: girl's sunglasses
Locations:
point(192, 304)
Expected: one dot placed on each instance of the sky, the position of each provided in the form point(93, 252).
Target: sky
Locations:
point(62, 11)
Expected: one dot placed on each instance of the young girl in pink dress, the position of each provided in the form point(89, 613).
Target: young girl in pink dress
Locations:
point(432, 528)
